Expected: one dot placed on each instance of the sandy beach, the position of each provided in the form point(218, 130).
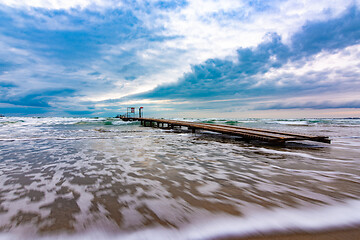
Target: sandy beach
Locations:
point(79, 177)
point(346, 233)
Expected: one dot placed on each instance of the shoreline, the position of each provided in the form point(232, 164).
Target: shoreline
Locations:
point(345, 233)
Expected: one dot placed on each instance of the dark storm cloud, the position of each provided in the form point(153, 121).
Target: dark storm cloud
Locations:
point(221, 79)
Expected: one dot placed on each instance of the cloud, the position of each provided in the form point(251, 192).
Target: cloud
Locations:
point(312, 105)
point(43, 57)
point(329, 35)
point(82, 37)
point(59, 4)
point(326, 71)
point(22, 111)
point(7, 85)
point(80, 113)
point(6, 66)
point(201, 30)
point(111, 52)
point(38, 98)
point(320, 59)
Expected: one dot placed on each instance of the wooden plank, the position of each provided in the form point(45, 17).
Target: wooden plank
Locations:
point(318, 138)
point(249, 133)
point(229, 129)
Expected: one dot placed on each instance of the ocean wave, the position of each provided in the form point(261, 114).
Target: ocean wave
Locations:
point(35, 121)
point(289, 122)
point(151, 177)
point(51, 138)
point(279, 220)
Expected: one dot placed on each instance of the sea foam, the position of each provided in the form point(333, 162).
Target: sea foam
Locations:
point(278, 220)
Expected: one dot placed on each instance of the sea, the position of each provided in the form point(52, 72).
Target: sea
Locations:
point(102, 178)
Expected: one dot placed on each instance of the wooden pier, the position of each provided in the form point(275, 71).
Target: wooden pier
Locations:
point(271, 136)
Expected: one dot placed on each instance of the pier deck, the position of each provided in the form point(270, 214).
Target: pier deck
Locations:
point(270, 136)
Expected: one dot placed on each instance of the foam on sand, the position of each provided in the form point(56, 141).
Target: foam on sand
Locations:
point(332, 217)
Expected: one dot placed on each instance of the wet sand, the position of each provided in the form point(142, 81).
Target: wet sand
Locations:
point(60, 179)
point(351, 233)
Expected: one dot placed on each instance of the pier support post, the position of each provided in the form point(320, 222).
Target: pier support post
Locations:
point(193, 130)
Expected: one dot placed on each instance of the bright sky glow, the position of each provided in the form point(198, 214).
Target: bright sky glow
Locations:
point(197, 58)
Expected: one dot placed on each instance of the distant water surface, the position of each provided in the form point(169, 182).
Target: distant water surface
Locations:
point(79, 177)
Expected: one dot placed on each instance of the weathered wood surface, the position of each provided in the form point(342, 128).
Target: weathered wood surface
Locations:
point(246, 133)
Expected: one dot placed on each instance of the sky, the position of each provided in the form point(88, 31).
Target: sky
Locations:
point(178, 58)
